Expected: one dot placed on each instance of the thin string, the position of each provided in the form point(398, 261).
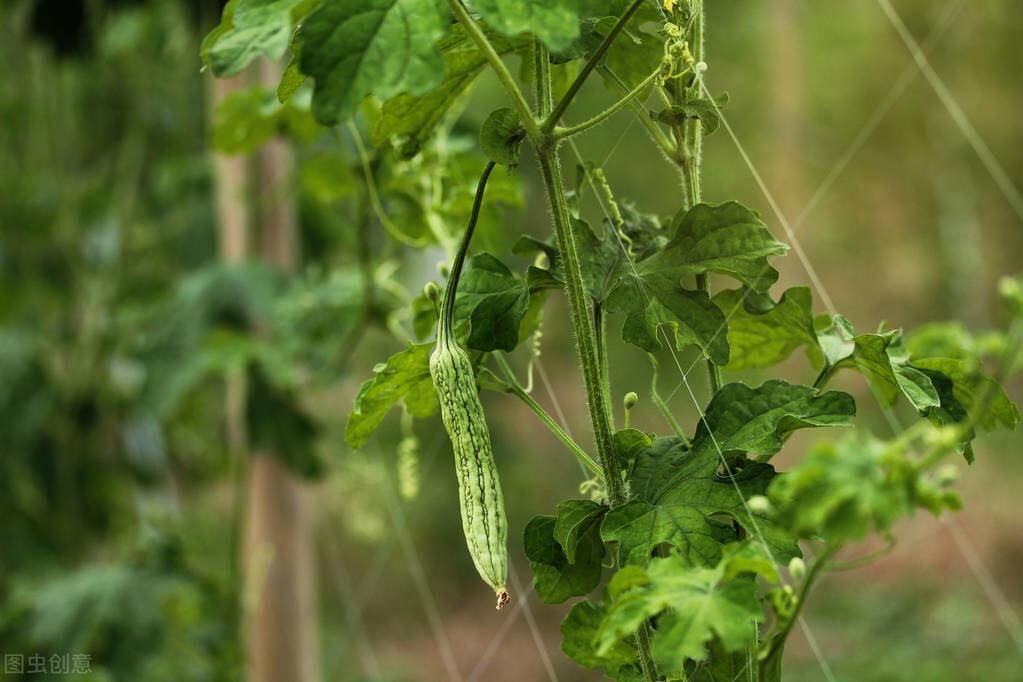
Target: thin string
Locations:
point(414, 564)
point(987, 157)
point(882, 109)
point(538, 640)
point(1000, 605)
point(728, 470)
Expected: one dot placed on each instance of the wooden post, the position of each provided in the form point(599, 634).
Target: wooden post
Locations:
point(280, 622)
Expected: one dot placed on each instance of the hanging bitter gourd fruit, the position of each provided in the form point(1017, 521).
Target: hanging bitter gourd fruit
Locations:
point(479, 490)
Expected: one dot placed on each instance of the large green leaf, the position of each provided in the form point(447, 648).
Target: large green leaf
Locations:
point(555, 577)
point(415, 116)
point(678, 494)
point(757, 421)
point(373, 47)
point(555, 22)
point(678, 491)
point(249, 29)
point(651, 301)
point(762, 338)
point(697, 605)
point(406, 377)
point(494, 300)
point(728, 238)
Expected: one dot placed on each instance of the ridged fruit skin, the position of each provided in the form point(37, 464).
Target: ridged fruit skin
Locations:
point(479, 489)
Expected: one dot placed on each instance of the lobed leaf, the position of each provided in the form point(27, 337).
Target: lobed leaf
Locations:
point(405, 377)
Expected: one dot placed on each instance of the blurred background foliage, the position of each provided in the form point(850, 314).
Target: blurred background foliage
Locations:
point(119, 493)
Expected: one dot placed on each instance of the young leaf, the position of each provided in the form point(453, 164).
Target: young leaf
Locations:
point(501, 136)
point(844, 491)
point(968, 385)
point(728, 238)
point(704, 110)
point(375, 47)
point(763, 338)
point(555, 578)
point(495, 301)
point(890, 376)
point(406, 377)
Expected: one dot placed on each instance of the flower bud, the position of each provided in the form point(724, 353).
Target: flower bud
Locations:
point(758, 504)
point(630, 400)
point(797, 568)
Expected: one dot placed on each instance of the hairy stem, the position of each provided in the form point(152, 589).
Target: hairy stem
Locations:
point(692, 153)
point(582, 323)
point(600, 327)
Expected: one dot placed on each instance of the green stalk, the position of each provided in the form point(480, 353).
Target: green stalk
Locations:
point(591, 63)
point(496, 63)
point(516, 389)
point(804, 590)
point(582, 323)
point(586, 335)
point(692, 154)
point(667, 147)
point(569, 131)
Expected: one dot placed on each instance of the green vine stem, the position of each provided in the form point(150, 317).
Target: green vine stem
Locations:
point(515, 388)
point(591, 63)
point(778, 641)
point(692, 155)
point(626, 99)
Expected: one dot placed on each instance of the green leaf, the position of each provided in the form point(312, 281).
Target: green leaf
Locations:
point(405, 377)
point(374, 47)
point(704, 110)
point(880, 358)
point(653, 301)
point(575, 519)
point(844, 491)
point(250, 29)
point(501, 136)
point(555, 578)
point(835, 338)
point(494, 300)
point(579, 630)
point(758, 421)
point(415, 116)
point(555, 22)
point(763, 338)
point(728, 238)
point(678, 495)
point(697, 605)
point(968, 385)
